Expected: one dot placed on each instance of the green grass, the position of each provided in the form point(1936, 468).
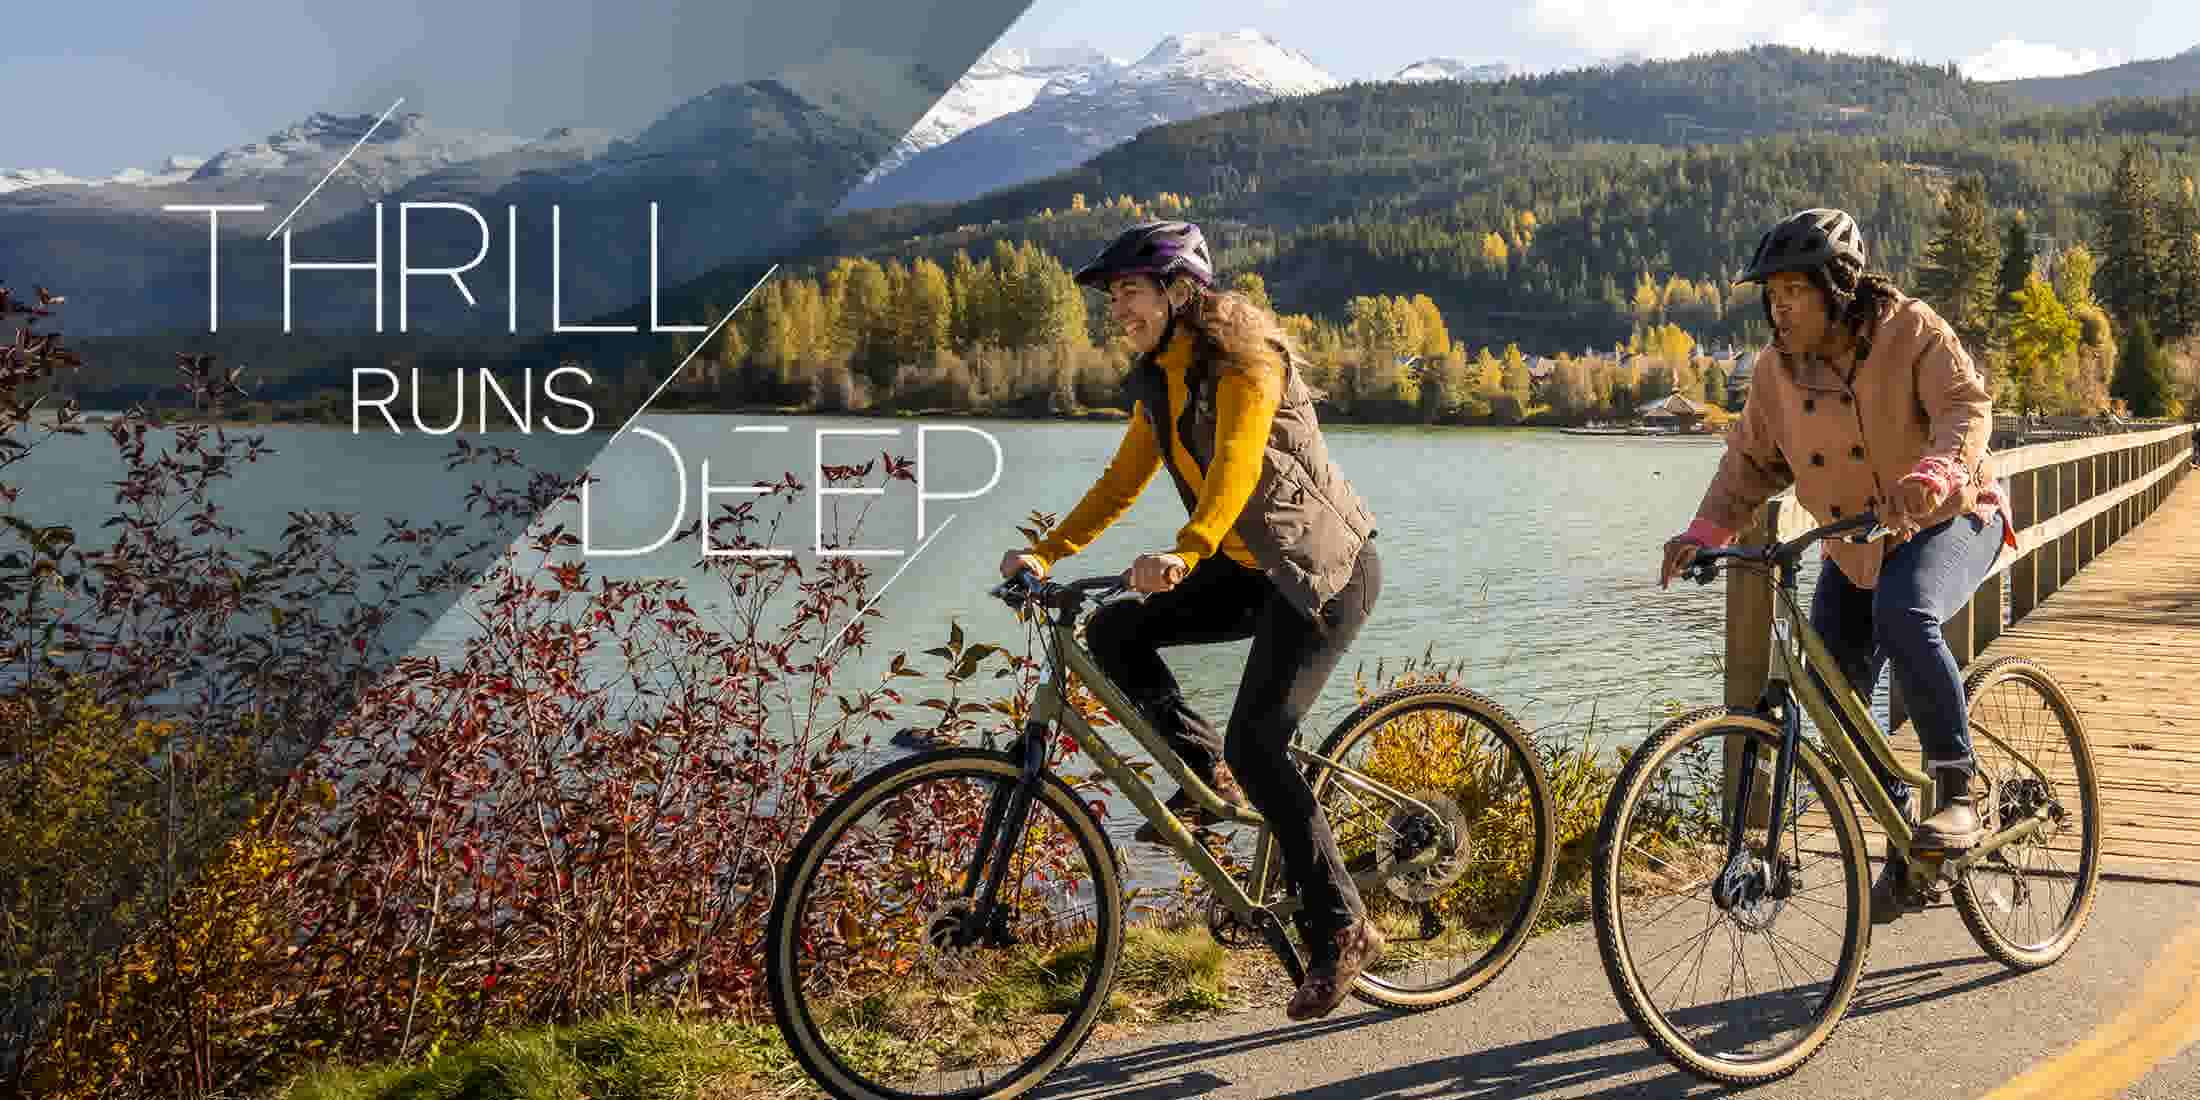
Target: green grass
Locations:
point(1164, 974)
point(614, 1058)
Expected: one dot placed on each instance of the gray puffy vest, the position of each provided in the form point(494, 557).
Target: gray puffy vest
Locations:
point(1304, 523)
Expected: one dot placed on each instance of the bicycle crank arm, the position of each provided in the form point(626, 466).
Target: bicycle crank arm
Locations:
point(1271, 929)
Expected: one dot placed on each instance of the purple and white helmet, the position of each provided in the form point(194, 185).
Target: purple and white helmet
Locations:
point(1159, 249)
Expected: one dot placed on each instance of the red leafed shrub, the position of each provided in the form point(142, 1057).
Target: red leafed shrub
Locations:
point(582, 810)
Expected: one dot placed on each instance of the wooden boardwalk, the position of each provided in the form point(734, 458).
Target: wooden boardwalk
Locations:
point(2123, 638)
point(2104, 593)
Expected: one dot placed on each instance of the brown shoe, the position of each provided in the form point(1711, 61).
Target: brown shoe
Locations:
point(1327, 986)
point(1191, 813)
point(1955, 825)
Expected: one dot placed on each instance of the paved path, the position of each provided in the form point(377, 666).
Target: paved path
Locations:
point(1934, 1020)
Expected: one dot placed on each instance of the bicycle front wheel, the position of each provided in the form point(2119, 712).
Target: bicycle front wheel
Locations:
point(1737, 972)
point(887, 981)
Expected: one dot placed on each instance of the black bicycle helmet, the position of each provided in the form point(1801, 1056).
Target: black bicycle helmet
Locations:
point(1816, 240)
point(1159, 249)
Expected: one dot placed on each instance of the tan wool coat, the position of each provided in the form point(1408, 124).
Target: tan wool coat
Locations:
point(1845, 434)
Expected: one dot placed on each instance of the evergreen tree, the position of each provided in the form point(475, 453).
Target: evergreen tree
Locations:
point(2180, 289)
point(1958, 276)
point(2016, 262)
point(2131, 245)
point(2142, 380)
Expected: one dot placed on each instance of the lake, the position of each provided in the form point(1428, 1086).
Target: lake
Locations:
point(1527, 556)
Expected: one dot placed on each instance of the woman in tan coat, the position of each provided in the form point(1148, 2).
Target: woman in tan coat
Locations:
point(1866, 401)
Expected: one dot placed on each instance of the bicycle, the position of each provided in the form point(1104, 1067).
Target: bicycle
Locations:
point(1711, 841)
point(1051, 948)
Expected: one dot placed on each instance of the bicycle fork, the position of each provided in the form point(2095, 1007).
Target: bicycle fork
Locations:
point(1747, 877)
point(1007, 813)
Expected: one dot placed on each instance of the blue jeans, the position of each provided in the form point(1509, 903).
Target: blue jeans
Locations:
point(1923, 582)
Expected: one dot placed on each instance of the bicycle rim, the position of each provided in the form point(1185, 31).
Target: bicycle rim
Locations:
point(868, 992)
point(1660, 847)
point(2029, 901)
point(1454, 929)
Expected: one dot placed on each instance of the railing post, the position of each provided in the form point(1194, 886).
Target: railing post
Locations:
point(2024, 582)
point(2066, 498)
point(1749, 601)
point(1959, 632)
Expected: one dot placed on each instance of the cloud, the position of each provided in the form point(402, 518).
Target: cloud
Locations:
point(1682, 27)
point(2015, 59)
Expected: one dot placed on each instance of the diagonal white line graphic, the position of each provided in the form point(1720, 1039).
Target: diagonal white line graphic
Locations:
point(881, 593)
point(692, 352)
point(338, 166)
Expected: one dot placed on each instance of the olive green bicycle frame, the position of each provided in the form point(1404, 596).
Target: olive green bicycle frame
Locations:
point(1050, 709)
point(1843, 719)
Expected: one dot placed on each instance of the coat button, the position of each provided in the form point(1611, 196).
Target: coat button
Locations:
point(1856, 452)
point(1817, 460)
point(1810, 404)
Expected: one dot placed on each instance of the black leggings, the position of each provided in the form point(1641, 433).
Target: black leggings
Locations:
point(1222, 601)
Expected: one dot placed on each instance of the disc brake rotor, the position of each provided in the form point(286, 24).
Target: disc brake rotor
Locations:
point(1447, 833)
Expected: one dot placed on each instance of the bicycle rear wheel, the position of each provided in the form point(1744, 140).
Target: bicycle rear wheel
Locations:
point(882, 979)
point(1801, 900)
point(1456, 925)
point(2028, 902)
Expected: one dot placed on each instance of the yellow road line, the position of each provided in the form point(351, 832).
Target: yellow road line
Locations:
point(2157, 1023)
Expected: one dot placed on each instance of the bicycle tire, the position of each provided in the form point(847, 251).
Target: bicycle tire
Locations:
point(790, 1009)
point(1370, 988)
point(1969, 904)
point(1618, 962)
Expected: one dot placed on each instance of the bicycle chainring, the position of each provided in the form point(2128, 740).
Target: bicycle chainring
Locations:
point(1227, 929)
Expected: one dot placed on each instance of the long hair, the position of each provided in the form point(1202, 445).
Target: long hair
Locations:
point(1236, 332)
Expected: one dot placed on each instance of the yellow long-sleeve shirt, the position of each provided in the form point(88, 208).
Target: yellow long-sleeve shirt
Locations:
point(1245, 406)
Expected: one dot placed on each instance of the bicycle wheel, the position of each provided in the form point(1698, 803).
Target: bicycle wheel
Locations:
point(2018, 711)
point(871, 986)
point(1454, 926)
point(1661, 848)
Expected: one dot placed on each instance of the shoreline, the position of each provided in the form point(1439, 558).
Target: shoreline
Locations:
point(609, 425)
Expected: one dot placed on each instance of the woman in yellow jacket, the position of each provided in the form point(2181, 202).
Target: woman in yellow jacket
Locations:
point(1277, 548)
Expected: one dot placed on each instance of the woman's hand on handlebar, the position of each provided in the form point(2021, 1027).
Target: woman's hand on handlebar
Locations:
point(1016, 561)
point(1680, 550)
point(1157, 572)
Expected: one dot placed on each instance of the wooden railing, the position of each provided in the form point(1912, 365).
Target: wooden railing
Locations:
point(2071, 500)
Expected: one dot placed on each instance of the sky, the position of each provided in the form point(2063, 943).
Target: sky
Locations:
point(126, 83)
point(1373, 39)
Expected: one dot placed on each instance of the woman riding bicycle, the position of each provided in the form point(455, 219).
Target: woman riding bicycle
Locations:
point(1277, 548)
point(1865, 400)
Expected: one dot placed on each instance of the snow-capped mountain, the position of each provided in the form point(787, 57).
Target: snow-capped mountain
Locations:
point(1088, 108)
point(1003, 81)
point(1452, 68)
point(172, 170)
point(402, 149)
point(735, 169)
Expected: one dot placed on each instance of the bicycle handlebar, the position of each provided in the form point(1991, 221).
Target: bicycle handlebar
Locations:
point(1027, 587)
point(1707, 563)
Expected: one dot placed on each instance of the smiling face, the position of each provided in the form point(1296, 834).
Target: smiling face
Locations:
point(1141, 309)
point(1798, 311)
